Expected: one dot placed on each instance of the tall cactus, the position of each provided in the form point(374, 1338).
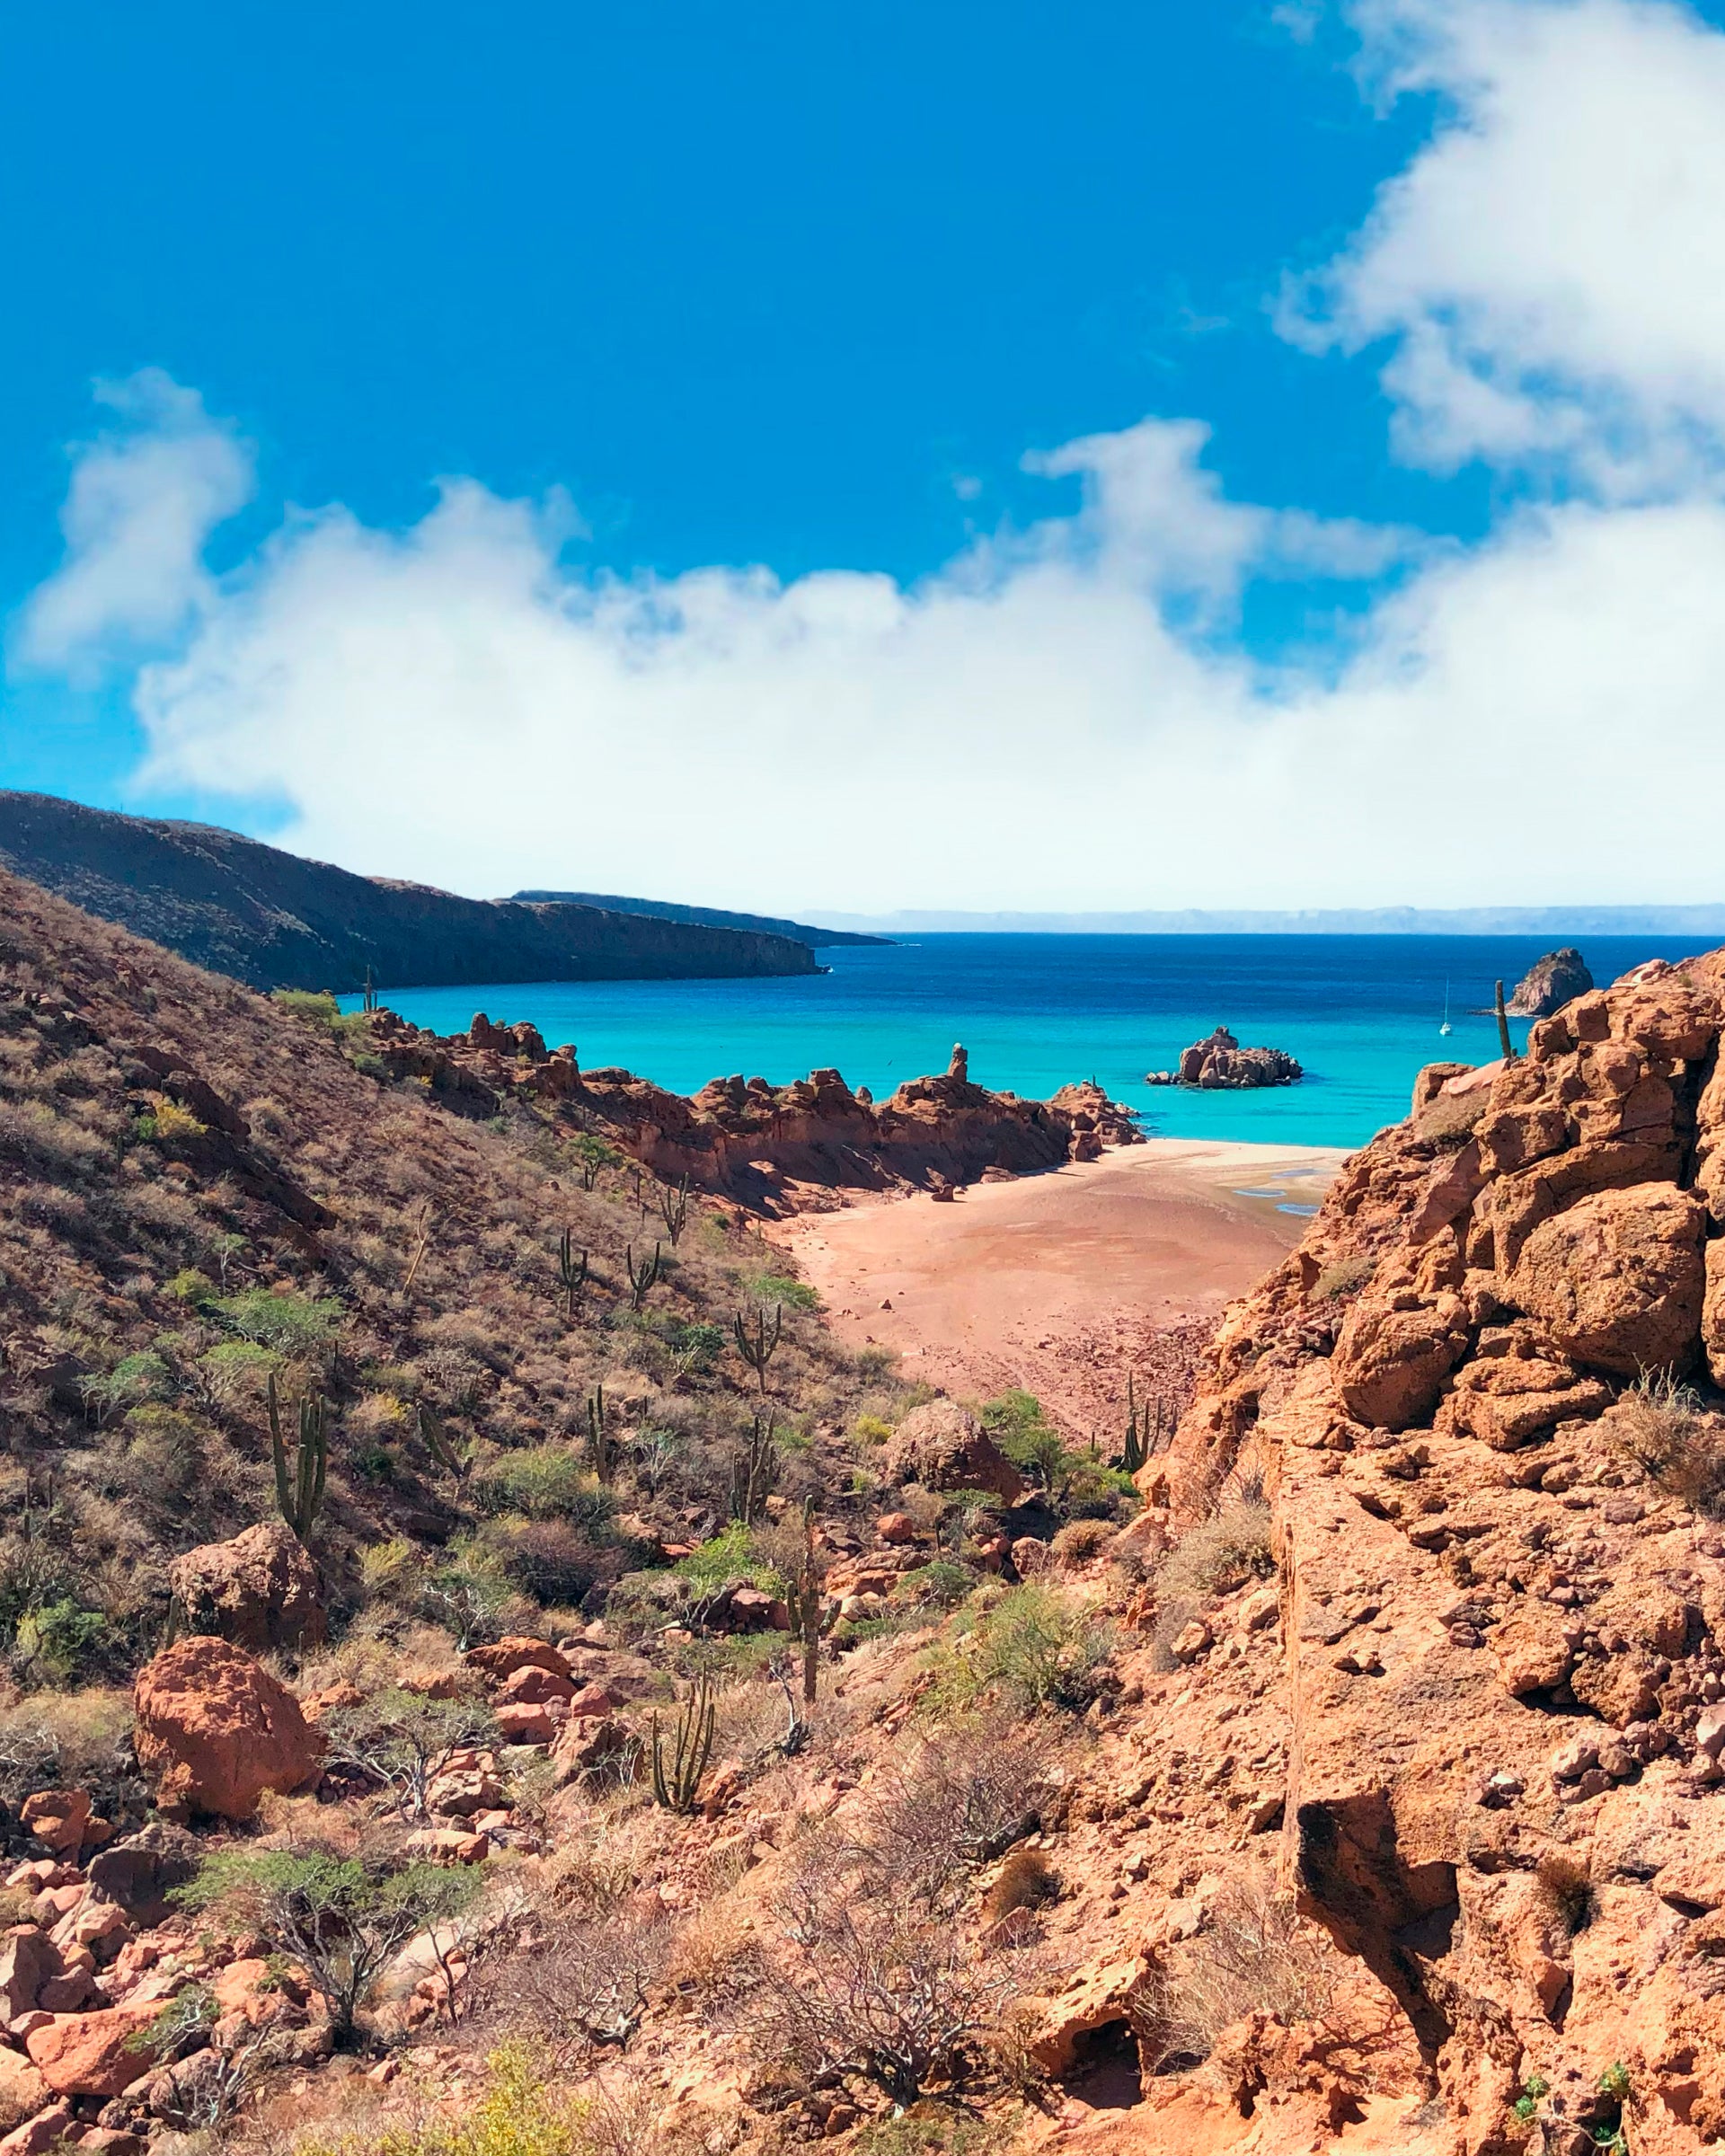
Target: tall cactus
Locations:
point(1504, 1041)
point(805, 1607)
point(601, 1445)
point(642, 1276)
point(572, 1271)
point(300, 1494)
point(677, 1779)
point(674, 1208)
point(1135, 1451)
point(454, 1459)
point(756, 1346)
point(754, 1472)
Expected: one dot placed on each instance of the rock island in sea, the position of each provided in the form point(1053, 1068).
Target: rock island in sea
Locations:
point(1221, 1061)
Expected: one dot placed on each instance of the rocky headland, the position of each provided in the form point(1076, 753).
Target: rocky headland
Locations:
point(1220, 1061)
point(773, 1148)
point(274, 920)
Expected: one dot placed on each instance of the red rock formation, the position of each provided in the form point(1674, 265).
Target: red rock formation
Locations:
point(1550, 983)
point(943, 1447)
point(260, 1590)
point(748, 1138)
point(214, 1730)
point(1503, 1591)
point(1221, 1062)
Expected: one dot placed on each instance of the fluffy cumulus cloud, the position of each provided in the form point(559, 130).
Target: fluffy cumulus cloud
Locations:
point(1064, 716)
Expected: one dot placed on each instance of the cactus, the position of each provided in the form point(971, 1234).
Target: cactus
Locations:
point(675, 1781)
point(300, 1495)
point(805, 1607)
point(572, 1273)
point(370, 1003)
point(674, 1208)
point(1504, 1041)
point(641, 1276)
point(1135, 1451)
point(757, 1350)
point(601, 1445)
point(454, 1459)
point(753, 1472)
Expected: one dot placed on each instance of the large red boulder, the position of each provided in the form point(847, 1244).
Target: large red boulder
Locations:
point(260, 1590)
point(1619, 1279)
point(93, 2055)
point(943, 1447)
point(214, 1730)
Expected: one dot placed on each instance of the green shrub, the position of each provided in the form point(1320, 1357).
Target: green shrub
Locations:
point(60, 1641)
point(546, 1482)
point(1015, 1422)
point(732, 1558)
point(1034, 1646)
point(133, 1379)
point(277, 1318)
point(317, 1007)
point(518, 2115)
point(192, 1286)
point(940, 1585)
point(779, 1287)
point(233, 1368)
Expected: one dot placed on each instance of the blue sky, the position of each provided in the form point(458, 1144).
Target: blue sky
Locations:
point(734, 329)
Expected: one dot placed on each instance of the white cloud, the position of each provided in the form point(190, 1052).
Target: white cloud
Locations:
point(1551, 268)
point(1067, 716)
point(144, 501)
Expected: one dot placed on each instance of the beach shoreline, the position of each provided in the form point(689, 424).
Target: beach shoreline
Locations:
point(1062, 1283)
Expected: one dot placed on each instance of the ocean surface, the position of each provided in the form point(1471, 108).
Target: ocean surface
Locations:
point(1360, 1013)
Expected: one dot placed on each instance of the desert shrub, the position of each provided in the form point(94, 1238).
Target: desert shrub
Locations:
point(1663, 1430)
point(162, 1455)
point(871, 1429)
point(962, 1799)
point(1090, 1490)
point(940, 1585)
point(189, 1286)
point(133, 1379)
point(1220, 1555)
point(1081, 1540)
point(468, 1593)
point(1255, 1955)
point(1035, 1647)
point(1015, 1422)
point(740, 1556)
point(1026, 1880)
point(546, 1482)
point(779, 1287)
point(1564, 1888)
point(1341, 1279)
point(237, 1370)
point(276, 1317)
point(856, 1984)
point(31, 1131)
point(579, 1982)
point(405, 1740)
point(71, 1739)
point(57, 1643)
point(343, 1919)
point(554, 1560)
point(950, 2134)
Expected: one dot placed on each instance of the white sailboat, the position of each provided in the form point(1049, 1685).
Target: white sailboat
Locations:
point(1446, 1027)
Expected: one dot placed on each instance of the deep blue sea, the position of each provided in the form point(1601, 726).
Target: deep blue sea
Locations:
point(1360, 1013)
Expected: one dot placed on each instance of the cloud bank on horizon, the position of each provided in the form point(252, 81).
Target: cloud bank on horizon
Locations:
point(1066, 715)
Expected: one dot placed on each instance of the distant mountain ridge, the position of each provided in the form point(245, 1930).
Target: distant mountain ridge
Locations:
point(1555, 921)
point(704, 917)
point(274, 920)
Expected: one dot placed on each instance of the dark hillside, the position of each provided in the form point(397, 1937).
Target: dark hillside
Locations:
point(276, 921)
point(710, 916)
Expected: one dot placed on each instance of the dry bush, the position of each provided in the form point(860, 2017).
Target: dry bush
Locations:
point(962, 1799)
point(855, 1983)
point(1341, 1279)
point(571, 1987)
point(1255, 1955)
point(1080, 1541)
point(1026, 1880)
point(1662, 1429)
point(77, 1739)
point(1563, 1886)
point(1212, 1559)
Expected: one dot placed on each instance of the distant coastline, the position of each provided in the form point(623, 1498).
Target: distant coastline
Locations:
point(1564, 920)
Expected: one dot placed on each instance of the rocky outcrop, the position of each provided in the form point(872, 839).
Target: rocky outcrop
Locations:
point(941, 1446)
point(214, 1730)
point(759, 1143)
point(1502, 1584)
point(260, 1590)
point(1221, 1062)
point(1550, 983)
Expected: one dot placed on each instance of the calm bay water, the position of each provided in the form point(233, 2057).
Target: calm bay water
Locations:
point(1359, 1012)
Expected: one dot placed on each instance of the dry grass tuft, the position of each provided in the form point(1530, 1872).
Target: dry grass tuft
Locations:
point(1663, 1429)
point(1255, 1955)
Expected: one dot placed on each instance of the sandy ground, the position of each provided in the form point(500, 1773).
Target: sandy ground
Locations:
point(1062, 1283)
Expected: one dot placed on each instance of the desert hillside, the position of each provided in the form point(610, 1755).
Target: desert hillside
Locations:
point(485, 1671)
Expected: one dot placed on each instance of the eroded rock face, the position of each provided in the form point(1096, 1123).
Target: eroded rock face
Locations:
point(1503, 1593)
point(943, 1447)
point(214, 1730)
point(260, 1590)
point(1220, 1062)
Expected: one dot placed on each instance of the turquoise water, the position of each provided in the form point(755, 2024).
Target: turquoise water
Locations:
point(1359, 1012)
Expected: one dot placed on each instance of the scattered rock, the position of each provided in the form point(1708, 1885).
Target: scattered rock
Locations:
point(260, 1590)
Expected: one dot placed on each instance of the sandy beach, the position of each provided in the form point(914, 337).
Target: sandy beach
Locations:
point(1062, 1283)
